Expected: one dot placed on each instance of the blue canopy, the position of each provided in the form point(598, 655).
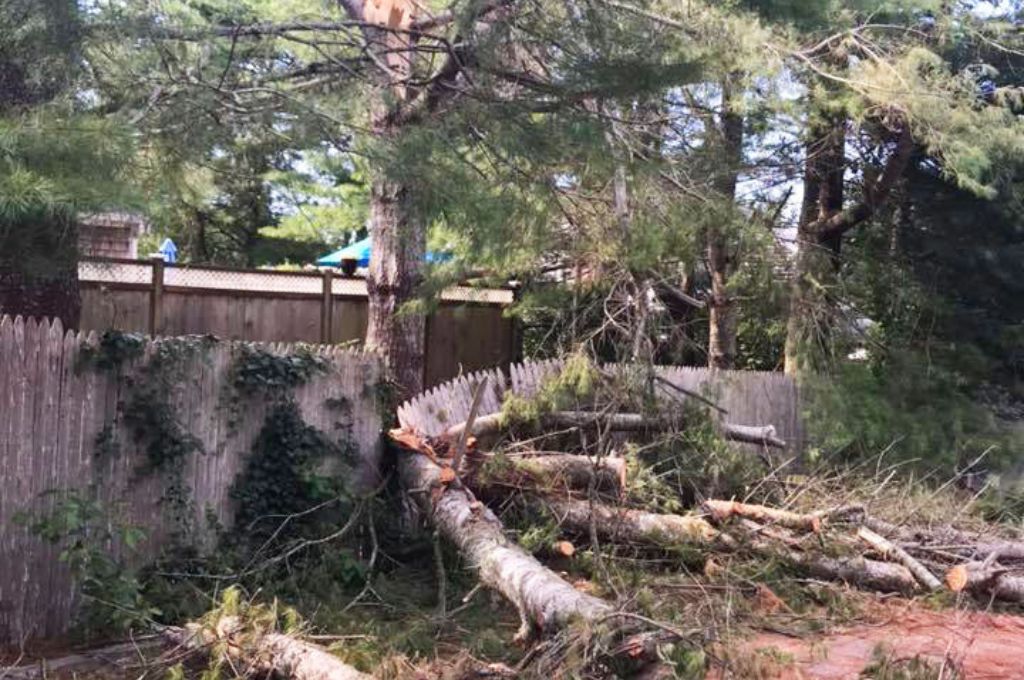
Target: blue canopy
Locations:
point(360, 252)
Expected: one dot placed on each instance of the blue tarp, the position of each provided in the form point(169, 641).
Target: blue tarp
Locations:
point(360, 252)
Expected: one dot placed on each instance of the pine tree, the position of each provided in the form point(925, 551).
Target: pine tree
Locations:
point(54, 161)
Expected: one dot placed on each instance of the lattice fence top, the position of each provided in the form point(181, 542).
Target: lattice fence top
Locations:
point(267, 281)
point(748, 397)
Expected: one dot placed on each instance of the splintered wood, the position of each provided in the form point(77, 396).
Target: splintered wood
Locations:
point(393, 14)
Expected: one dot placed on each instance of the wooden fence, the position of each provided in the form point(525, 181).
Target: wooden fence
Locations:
point(53, 410)
point(750, 397)
point(468, 331)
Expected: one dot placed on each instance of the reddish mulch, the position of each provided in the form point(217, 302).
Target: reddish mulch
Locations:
point(979, 645)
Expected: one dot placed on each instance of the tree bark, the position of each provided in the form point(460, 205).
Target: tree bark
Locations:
point(544, 600)
point(554, 470)
point(396, 256)
point(823, 197)
point(723, 510)
point(986, 577)
point(897, 554)
point(721, 262)
point(634, 526)
point(264, 653)
point(493, 423)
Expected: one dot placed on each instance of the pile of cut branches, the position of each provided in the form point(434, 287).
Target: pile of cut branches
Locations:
point(469, 474)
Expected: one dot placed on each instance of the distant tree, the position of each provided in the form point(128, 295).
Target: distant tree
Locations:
point(56, 158)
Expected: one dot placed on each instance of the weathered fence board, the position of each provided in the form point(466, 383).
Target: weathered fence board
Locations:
point(52, 411)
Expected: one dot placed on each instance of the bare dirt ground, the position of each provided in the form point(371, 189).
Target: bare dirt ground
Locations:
point(961, 644)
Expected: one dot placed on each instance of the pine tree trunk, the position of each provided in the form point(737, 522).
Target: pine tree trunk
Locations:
point(39, 266)
point(399, 245)
point(809, 310)
point(721, 306)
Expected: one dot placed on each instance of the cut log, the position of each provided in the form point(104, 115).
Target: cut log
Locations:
point(763, 435)
point(563, 549)
point(635, 526)
point(897, 554)
point(856, 571)
point(544, 600)
point(494, 423)
point(264, 653)
point(723, 510)
point(550, 470)
point(986, 577)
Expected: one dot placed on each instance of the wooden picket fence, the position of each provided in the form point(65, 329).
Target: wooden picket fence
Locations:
point(749, 397)
point(52, 411)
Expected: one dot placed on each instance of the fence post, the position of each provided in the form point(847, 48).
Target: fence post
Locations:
point(327, 308)
point(156, 296)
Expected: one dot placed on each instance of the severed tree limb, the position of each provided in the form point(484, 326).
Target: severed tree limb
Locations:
point(636, 526)
point(986, 577)
point(856, 571)
point(553, 470)
point(544, 600)
point(494, 423)
point(265, 654)
point(723, 510)
point(897, 554)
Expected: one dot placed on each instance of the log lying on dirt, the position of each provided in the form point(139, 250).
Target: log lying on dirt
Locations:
point(494, 423)
point(723, 510)
point(986, 577)
point(544, 600)
point(856, 571)
point(897, 554)
point(265, 653)
point(634, 526)
point(553, 470)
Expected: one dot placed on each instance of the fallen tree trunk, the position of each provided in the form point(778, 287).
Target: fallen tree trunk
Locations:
point(723, 510)
point(893, 552)
point(544, 600)
point(494, 423)
point(265, 653)
point(987, 577)
point(635, 526)
point(551, 470)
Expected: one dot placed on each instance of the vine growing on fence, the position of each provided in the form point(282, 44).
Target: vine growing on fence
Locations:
point(150, 379)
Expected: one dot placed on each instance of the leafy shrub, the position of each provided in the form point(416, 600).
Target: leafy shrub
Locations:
point(113, 602)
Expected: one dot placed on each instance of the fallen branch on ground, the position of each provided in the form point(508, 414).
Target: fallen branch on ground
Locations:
point(893, 552)
point(265, 653)
point(634, 526)
point(986, 577)
point(494, 423)
point(723, 510)
point(551, 470)
point(856, 571)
